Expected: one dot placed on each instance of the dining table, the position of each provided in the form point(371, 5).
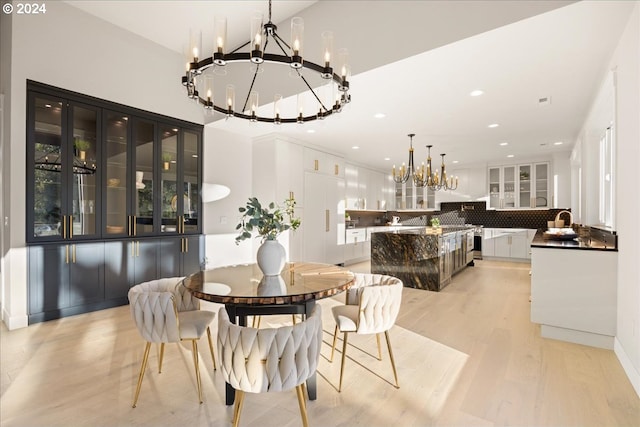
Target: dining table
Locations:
point(245, 291)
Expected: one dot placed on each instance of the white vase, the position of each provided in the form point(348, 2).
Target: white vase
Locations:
point(272, 286)
point(271, 257)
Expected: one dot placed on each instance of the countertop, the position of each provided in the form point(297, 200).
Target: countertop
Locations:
point(578, 243)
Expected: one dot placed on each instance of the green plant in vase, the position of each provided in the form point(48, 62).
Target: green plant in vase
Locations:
point(166, 159)
point(269, 221)
point(82, 145)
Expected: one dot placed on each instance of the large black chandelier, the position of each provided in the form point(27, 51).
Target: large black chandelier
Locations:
point(262, 36)
point(424, 176)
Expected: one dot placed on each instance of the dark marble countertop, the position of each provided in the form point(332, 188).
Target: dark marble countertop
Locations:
point(578, 243)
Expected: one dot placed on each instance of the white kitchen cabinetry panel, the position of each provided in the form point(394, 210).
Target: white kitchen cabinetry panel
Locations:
point(324, 226)
point(365, 188)
point(514, 243)
point(573, 295)
point(357, 248)
point(323, 163)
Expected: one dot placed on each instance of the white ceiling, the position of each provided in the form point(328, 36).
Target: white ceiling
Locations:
point(417, 62)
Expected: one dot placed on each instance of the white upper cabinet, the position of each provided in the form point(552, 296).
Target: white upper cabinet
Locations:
point(324, 163)
point(523, 186)
point(366, 189)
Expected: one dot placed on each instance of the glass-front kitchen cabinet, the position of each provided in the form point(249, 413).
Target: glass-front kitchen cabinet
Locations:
point(523, 186)
point(121, 179)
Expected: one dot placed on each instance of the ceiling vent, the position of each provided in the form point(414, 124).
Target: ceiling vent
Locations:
point(544, 101)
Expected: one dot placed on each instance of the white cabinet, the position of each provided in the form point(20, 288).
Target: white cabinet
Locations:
point(407, 196)
point(523, 186)
point(357, 247)
point(323, 221)
point(365, 188)
point(507, 243)
point(323, 163)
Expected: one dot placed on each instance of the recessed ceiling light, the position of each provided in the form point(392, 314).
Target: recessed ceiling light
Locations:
point(379, 115)
point(47, 105)
point(493, 125)
point(355, 147)
point(455, 161)
point(195, 156)
point(311, 131)
point(476, 92)
point(504, 143)
point(175, 129)
point(510, 155)
point(387, 158)
point(558, 143)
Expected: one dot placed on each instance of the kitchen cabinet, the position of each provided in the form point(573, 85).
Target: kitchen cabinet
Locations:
point(128, 263)
point(316, 161)
point(357, 246)
point(190, 258)
point(523, 186)
point(324, 223)
point(64, 279)
point(407, 196)
point(365, 189)
point(512, 243)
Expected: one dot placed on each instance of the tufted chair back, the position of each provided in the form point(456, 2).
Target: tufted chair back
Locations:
point(379, 298)
point(154, 311)
point(270, 359)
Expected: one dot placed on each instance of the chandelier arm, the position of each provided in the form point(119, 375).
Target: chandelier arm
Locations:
point(253, 81)
point(279, 39)
point(312, 91)
point(238, 48)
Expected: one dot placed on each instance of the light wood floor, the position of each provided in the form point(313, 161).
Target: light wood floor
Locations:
point(467, 356)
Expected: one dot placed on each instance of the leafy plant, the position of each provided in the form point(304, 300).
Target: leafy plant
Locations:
point(435, 222)
point(82, 144)
point(269, 222)
point(167, 157)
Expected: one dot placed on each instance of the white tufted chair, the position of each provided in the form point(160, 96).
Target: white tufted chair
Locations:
point(372, 306)
point(271, 359)
point(163, 312)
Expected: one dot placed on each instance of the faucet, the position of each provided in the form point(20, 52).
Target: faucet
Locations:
point(570, 217)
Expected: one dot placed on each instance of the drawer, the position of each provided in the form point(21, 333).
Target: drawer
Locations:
point(357, 235)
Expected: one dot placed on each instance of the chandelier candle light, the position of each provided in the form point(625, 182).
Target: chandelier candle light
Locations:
point(424, 177)
point(291, 55)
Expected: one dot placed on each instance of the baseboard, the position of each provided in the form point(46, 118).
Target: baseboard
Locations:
point(577, 337)
point(629, 369)
point(15, 322)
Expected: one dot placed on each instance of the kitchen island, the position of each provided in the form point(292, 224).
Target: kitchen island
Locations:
point(423, 258)
point(573, 288)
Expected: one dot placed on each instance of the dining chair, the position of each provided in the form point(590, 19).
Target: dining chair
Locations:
point(372, 306)
point(265, 360)
point(154, 306)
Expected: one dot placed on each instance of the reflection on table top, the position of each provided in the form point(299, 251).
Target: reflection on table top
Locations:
point(245, 284)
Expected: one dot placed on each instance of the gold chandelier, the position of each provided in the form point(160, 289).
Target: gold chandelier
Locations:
point(424, 176)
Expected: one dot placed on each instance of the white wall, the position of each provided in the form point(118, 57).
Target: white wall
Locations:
point(626, 61)
point(76, 51)
point(619, 94)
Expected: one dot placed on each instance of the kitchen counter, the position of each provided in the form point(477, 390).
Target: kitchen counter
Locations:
point(599, 243)
point(422, 257)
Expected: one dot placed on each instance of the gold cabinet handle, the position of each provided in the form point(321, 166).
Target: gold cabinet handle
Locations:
point(182, 245)
point(135, 225)
point(71, 226)
point(315, 165)
point(138, 248)
point(66, 257)
point(336, 170)
point(64, 227)
point(133, 249)
point(73, 253)
point(186, 245)
point(326, 220)
point(291, 195)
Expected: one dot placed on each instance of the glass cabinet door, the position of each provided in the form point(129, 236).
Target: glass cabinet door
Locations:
point(524, 183)
point(191, 188)
point(144, 177)
point(509, 178)
point(45, 138)
point(494, 188)
point(116, 141)
point(542, 185)
point(84, 157)
point(169, 180)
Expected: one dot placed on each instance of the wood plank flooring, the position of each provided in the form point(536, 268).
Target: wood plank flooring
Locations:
point(467, 356)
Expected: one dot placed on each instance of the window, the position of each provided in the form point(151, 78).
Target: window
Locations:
point(606, 177)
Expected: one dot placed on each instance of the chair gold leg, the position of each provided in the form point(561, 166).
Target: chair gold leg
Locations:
point(237, 408)
point(393, 363)
point(293, 318)
point(161, 358)
point(333, 347)
point(344, 354)
point(194, 349)
point(213, 356)
point(143, 368)
point(379, 350)
point(303, 405)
